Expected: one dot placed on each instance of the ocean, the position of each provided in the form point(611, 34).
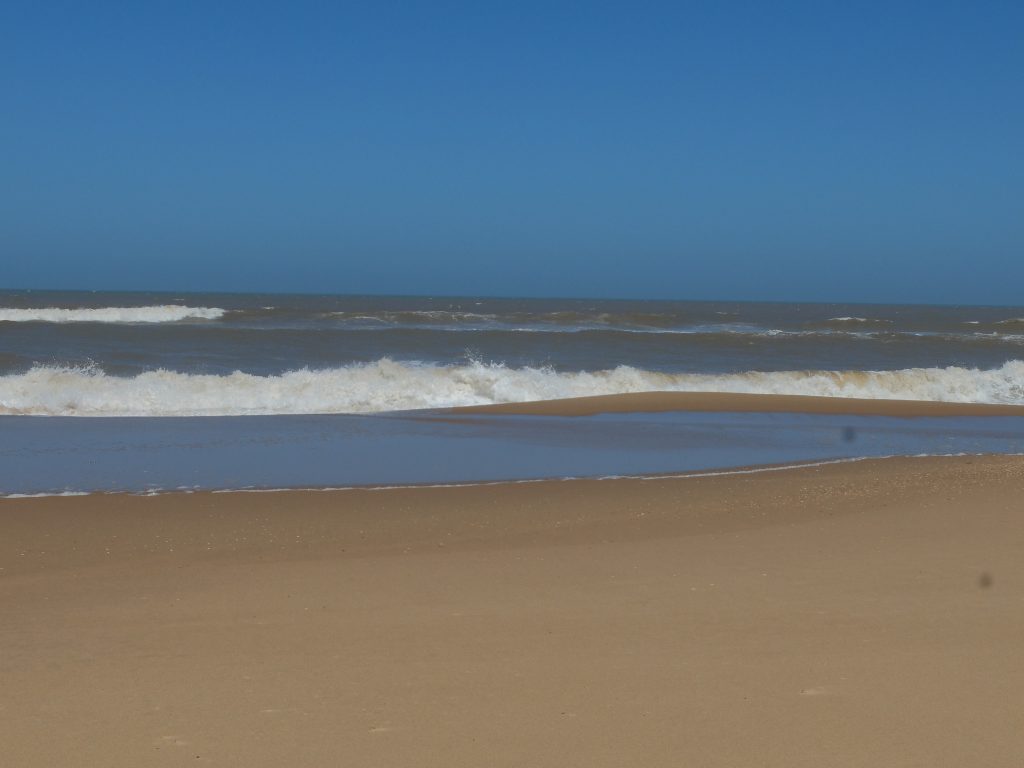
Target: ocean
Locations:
point(263, 391)
point(148, 354)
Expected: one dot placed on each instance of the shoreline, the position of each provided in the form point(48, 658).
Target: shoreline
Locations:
point(445, 506)
point(746, 469)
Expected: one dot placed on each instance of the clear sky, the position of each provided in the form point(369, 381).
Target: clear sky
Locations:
point(746, 150)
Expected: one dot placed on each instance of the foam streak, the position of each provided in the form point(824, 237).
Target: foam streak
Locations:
point(169, 313)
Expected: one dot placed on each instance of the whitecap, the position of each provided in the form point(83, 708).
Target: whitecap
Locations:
point(167, 313)
point(388, 385)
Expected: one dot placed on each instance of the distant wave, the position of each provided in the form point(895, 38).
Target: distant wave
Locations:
point(856, 322)
point(168, 313)
point(386, 385)
point(556, 321)
point(583, 322)
point(1016, 323)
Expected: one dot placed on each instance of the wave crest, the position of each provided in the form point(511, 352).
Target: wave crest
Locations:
point(852, 322)
point(167, 313)
point(386, 385)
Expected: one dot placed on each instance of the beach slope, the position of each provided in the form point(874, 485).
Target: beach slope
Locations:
point(868, 613)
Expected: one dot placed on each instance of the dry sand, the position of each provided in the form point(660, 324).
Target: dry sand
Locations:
point(864, 614)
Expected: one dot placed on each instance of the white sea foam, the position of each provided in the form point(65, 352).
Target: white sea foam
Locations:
point(168, 313)
point(386, 385)
point(44, 495)
point(859, 320)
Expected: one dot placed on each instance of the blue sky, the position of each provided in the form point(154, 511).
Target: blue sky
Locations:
point(816, 151)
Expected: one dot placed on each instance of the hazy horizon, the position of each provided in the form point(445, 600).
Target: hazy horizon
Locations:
point(495, 296)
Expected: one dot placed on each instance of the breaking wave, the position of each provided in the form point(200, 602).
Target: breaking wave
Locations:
point(168, 313)
point(387, 385)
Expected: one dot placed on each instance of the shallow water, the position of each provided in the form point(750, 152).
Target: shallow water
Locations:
point(55, 455)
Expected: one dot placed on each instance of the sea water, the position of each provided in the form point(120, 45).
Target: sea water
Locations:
point(113, 354)
point(233, 390)
point(63, 454)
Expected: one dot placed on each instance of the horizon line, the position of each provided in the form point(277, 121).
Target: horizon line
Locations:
point(503, 297)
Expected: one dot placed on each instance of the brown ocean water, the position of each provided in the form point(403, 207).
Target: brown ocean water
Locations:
point(72, 353)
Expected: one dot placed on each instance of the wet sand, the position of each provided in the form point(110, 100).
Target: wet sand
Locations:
point(725, 402)
point(859, 614)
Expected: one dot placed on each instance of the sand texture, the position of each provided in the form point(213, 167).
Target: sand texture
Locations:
point(862, 614)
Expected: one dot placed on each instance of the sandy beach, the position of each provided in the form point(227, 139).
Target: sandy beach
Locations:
point(521, 386)
point(856, 614)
